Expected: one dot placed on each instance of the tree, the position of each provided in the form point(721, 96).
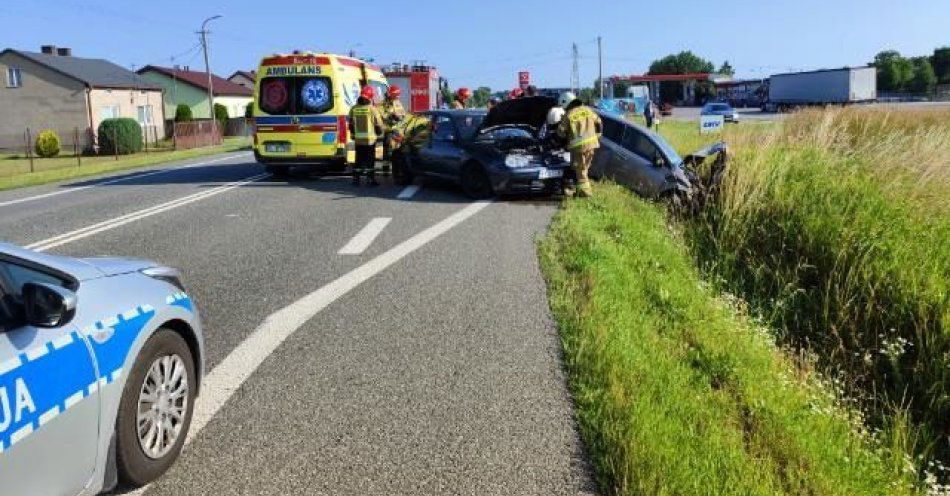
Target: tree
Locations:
point(726, 69)
point(922, 79)
point(893, 71)
point(249, 110)
point(480, 97)
point(941, 64)
point(681, 63)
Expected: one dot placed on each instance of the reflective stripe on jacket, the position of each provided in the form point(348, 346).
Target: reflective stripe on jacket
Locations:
point(367, 124)
point(393, 112)
point(581, 127)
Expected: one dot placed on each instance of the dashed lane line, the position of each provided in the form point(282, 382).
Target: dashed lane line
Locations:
point(365, 237)
point(408, 192)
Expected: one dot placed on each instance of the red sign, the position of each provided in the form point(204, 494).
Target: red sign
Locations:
point(524, 79)
point(419, 92)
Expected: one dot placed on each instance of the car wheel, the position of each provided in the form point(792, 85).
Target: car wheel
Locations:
point(278, 170)
point(475, 181)
point(402, 174)
point(155, 409)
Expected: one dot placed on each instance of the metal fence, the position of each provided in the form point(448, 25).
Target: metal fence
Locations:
point(18, 150)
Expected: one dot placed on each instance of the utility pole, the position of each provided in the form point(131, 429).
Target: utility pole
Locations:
point(575, 73)
point(204, 46)
point(600, 68)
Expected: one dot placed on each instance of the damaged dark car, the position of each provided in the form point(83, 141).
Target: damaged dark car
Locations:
point(503, 151)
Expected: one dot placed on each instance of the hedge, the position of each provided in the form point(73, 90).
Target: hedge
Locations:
point(120, 136)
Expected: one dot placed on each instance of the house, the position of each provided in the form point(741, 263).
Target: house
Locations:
point(184, 86)
point(244, 78)
point(52, 89)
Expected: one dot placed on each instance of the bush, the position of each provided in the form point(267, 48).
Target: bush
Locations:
point(122, 136)
point(249, 110)
point(221, 116)
point(47, 144)
point(183, 113)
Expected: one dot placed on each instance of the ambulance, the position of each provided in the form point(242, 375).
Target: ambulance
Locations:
point(301, 105)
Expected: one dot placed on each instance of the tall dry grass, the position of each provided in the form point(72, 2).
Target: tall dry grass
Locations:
point(835, 226)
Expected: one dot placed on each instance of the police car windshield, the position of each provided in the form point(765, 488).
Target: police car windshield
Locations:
point(468, 124)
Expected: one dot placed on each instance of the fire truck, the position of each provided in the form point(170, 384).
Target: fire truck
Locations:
point(419, 84)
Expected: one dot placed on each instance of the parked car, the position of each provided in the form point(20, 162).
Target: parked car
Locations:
point(100, 364)
point(502, 151)
point(728, 113)
point(643, 161)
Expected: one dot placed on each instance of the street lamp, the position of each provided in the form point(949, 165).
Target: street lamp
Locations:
point(204, 45)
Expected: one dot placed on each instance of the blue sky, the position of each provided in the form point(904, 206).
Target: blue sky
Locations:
point(487, 42)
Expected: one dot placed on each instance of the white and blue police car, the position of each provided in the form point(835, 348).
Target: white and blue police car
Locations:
point(100, 364)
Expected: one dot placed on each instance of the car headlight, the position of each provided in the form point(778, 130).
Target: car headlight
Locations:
point(167, 274)
point(515, 160)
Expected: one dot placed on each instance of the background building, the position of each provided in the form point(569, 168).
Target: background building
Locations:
point(244, 78)
point(54, 90)
point(184, 86)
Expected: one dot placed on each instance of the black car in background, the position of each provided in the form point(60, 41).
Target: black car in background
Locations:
point(503, 151)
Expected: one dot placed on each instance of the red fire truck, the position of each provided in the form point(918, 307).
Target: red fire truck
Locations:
point(419, 84)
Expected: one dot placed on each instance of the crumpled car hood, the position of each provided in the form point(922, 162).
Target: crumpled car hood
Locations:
point(532, 111)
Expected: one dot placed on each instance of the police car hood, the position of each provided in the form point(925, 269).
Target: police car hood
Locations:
point(532, 111)
point(112, 266)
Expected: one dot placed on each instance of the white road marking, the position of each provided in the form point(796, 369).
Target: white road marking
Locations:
point(222, 382)
point(106, 225)
point(111, 181)
point(408, 192)
point(365, 237)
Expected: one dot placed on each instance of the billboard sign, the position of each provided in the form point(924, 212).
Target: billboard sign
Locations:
point(524, 79)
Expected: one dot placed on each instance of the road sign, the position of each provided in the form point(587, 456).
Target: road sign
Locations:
point(711, 123)
point(524, 79)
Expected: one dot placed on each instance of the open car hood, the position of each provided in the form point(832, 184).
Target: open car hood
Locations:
point(532, 111)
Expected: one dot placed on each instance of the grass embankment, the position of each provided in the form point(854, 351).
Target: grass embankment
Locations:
point(676, 391)
point(15, 170)
point(835, 227)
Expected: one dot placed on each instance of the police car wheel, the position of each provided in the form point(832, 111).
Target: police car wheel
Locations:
point(155, 409)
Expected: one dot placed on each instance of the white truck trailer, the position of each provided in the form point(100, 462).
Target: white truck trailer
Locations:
point(824, 87)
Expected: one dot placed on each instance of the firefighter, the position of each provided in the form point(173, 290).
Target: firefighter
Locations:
point(580, 128)
point(393, 113)
point(461, 98)
point(366, 125)
point(515, 94)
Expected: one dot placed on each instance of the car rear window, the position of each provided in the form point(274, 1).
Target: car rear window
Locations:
point(296, 95)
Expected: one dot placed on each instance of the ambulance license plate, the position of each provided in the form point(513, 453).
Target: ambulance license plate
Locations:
point(277, 147)
point(550, 173)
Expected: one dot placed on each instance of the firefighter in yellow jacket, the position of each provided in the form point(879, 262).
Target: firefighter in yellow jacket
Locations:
point(367, 126)
point(393, 113)
point(461, 99)
point(580, 128)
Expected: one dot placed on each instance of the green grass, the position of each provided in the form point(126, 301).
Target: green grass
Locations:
point(678, 392)
point(15, 170)
point(835, 227)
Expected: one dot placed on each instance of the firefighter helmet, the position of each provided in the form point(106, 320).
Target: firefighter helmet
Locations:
point(394, 91)
point(368, 92)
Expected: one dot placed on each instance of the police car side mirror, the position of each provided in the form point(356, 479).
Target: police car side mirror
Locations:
point(47, 305)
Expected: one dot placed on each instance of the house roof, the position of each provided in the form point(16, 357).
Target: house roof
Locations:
point(222, 87)
point(95, 73)
point(252, 75)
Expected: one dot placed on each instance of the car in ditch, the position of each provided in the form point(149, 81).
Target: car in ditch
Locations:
point(501, 151)
point(100, 364)
point(641, 160)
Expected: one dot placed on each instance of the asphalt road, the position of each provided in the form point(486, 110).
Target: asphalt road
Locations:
point(435, 370)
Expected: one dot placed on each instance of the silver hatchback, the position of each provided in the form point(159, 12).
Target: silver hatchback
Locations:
point(100, 363)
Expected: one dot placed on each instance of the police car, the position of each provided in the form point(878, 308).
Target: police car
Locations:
point(100, 363)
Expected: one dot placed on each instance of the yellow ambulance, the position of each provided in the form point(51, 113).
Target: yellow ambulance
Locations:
point(301, 105)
